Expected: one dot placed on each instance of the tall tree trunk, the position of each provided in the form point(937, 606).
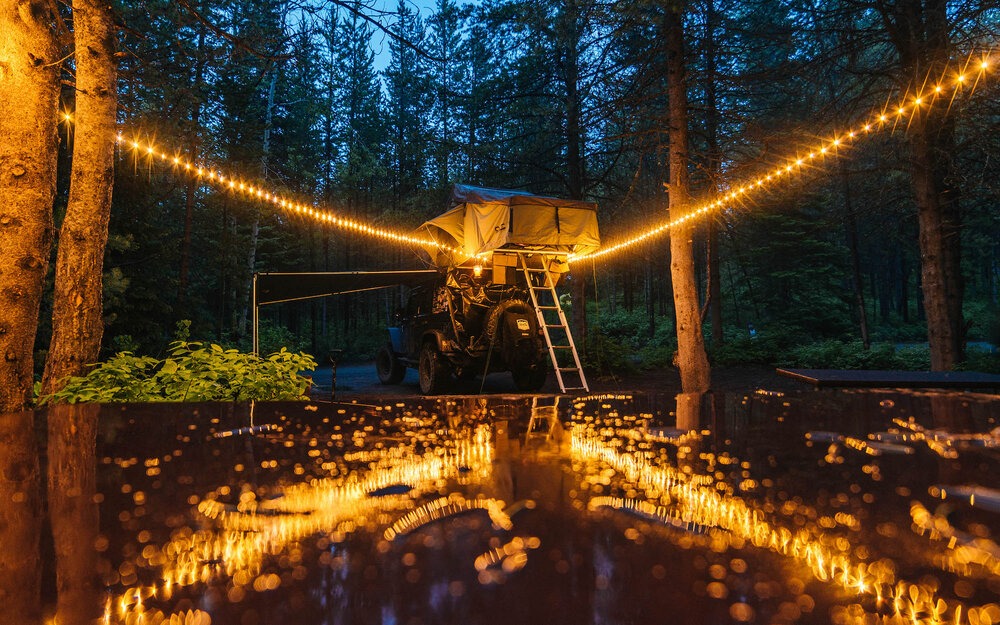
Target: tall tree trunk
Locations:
point(251, 261)
point(691, 357)
point(77, 309)
point(851, 224)
point(191, 190)
point(940, 246)
point(714, 174)
point(29, 96)
point(570, 37)
point(920, 31)
point(72, 484)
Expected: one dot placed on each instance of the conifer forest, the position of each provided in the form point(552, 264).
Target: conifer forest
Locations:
point(374, 111)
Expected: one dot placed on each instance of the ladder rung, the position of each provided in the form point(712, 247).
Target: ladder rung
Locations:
point(574, 388)
point(569, 369)
point(540, 307)
point(558, 325)
point(562, 347)
point(534, 270)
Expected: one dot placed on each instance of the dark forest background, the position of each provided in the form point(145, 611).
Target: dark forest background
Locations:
point(564, 98)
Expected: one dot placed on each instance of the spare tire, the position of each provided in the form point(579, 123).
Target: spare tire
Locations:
point(496, 315)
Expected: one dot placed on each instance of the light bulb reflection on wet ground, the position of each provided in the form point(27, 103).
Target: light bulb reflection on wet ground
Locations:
point(399, 479)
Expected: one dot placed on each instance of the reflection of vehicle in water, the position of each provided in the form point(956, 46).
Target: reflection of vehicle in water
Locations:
point(500, 253)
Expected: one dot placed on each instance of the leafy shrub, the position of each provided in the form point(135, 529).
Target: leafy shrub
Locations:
point(192, 371)
point(981, 360)
point(606, 355)
point(745, 350)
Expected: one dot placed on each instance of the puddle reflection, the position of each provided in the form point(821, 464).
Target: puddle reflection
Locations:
point(825, 507)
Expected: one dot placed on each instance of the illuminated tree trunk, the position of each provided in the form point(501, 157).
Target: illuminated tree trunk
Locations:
point(691, 357)
point(919, 30)
point(29, 95)
point(77, 310)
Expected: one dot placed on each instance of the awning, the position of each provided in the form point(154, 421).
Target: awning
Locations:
point(274, 288)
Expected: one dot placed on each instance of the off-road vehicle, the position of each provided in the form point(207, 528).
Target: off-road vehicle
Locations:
point(493, 247)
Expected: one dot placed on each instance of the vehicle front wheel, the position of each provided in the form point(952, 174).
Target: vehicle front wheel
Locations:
point(390, 370)
point(433, 370)
point(529, 380)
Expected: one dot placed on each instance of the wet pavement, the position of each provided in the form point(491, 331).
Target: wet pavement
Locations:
point(768, 507)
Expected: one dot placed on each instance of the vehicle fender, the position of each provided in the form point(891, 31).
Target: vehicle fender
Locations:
point(396, 340)
point(436, 337)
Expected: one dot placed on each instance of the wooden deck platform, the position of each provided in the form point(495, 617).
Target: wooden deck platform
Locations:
point(894, 379)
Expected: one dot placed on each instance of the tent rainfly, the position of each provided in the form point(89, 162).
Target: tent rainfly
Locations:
point(481, 220)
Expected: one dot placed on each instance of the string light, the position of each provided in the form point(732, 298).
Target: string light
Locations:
point(206, 174)
point(847, 138)
point(878, 121)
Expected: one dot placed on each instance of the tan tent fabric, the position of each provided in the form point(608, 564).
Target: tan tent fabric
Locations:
point(482, 220)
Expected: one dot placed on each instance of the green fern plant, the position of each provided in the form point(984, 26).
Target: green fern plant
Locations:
point(192, 371)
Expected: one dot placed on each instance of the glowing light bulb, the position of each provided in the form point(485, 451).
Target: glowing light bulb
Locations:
point(960, 78)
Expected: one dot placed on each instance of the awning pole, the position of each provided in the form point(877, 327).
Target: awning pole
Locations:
point(255, 337)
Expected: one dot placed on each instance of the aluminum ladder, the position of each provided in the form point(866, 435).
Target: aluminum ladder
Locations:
point(552, 321)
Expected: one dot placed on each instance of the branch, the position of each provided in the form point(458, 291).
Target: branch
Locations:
point(354, 8)
point(239, 42)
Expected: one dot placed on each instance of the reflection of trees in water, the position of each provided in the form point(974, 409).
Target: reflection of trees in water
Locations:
point(73, 515)
point(20, 520)
point(72, 476)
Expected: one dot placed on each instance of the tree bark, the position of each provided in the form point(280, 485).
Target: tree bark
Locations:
point(29, 96)
point(691, 358)
point(77, 309)
point(714, 174)
point(570, 38)
point(919, 29)
point(851, 225)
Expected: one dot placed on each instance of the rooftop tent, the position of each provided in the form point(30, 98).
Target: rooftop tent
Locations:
point(481, 220)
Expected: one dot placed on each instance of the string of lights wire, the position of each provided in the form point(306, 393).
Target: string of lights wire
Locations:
point(217, 177)
point(950, 85)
